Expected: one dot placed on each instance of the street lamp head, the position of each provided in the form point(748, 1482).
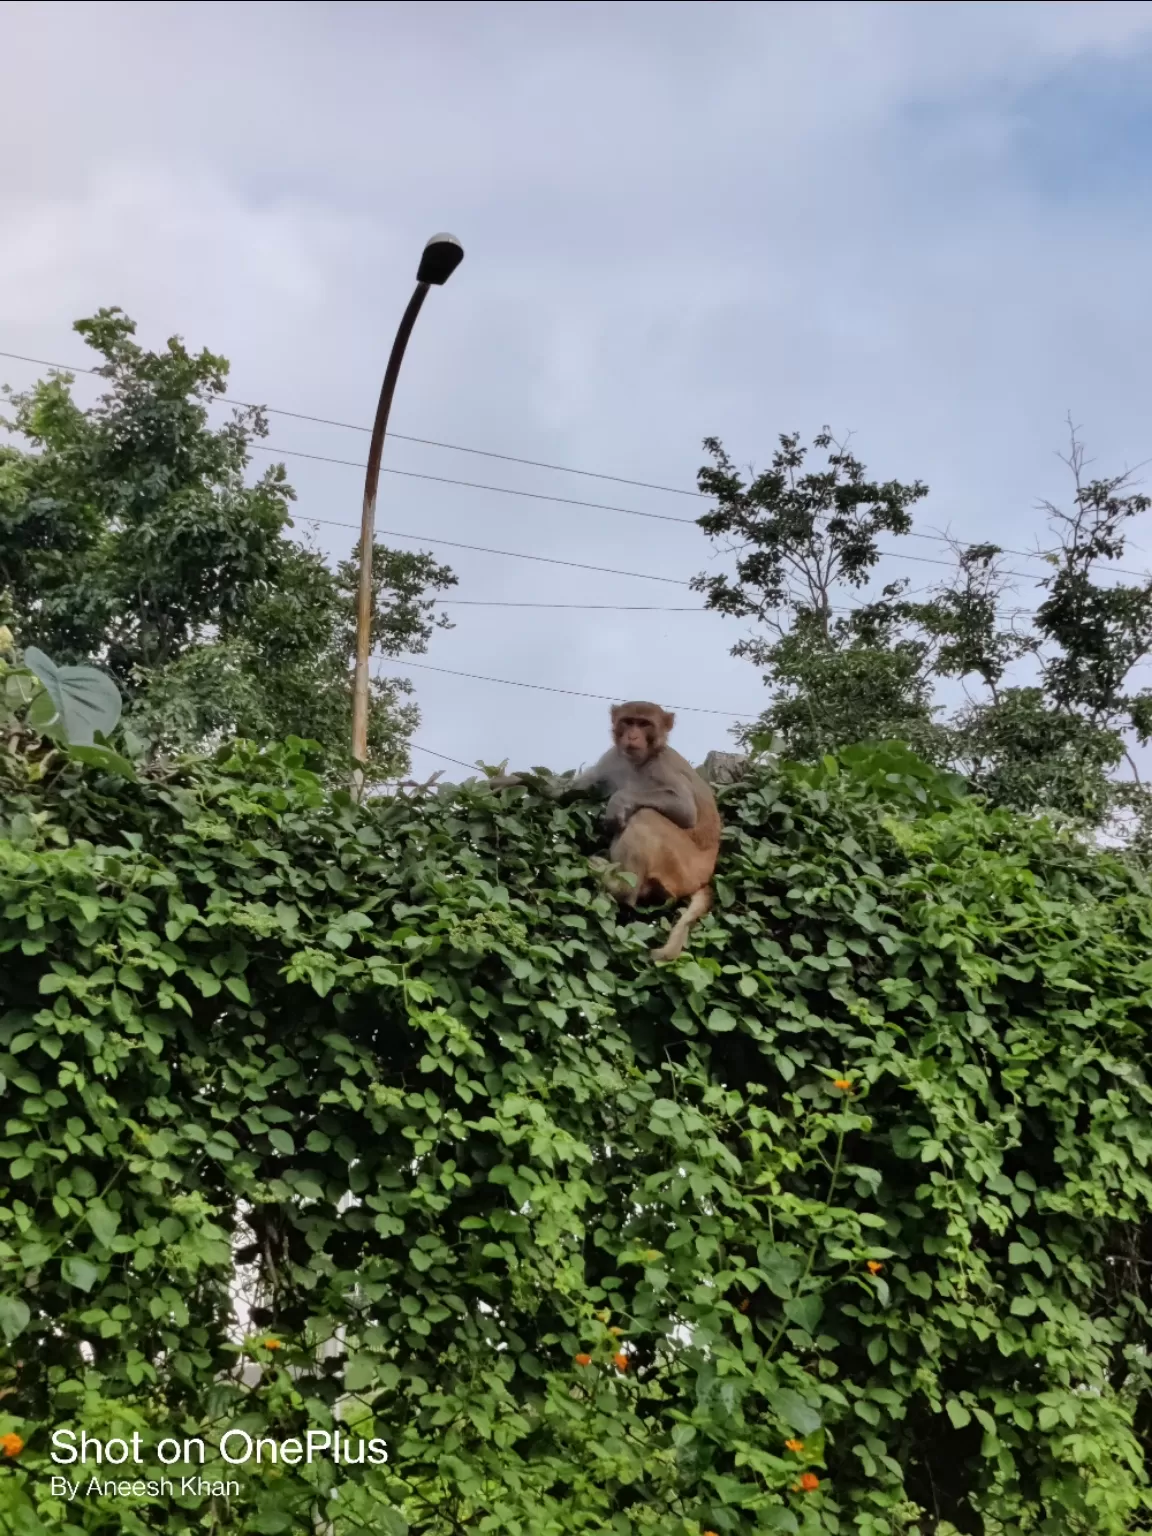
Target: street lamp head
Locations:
point(442, 255)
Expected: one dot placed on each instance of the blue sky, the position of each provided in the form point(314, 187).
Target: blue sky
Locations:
point(927, 224)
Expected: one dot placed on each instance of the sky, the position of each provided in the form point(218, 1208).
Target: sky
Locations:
point(928, 225)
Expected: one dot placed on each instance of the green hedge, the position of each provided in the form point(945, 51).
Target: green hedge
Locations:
point(228, 998)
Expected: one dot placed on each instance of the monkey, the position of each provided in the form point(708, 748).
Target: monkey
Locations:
point(662, 816)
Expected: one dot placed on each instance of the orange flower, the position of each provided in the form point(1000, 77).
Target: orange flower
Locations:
point(11, 1445)
point(843, 1083)
point(273, 1344)
point(874, 1265)
point(615, 1332)
point(809, 1482)
point(793, 1445)
point(583, 1359)
point(621, 1361)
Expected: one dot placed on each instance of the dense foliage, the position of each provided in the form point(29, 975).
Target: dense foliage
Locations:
point(132, 534)
point(1054, 703)
point(836, 1225)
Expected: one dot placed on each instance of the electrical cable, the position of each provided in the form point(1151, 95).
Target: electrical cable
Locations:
point(609, 698)
point(511, 554)
point(510, 458)
point(394, 533)
point(460, 763)
point(474, 485)
point(404, 437)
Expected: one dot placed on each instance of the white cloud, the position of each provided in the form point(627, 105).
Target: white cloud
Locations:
point(134, 227)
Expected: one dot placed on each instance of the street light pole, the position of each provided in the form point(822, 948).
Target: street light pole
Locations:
point(442, 255)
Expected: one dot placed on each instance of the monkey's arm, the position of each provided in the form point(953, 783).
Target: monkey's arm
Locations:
point(557, 788)
point(675, 800)
point(604, 773)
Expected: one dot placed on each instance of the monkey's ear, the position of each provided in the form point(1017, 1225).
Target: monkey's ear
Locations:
point(669, 720)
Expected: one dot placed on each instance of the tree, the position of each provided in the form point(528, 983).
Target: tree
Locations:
point(838, 676)
point(132, 534)
point(1056, 712)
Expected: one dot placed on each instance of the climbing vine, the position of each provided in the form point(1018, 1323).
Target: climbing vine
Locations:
point(377, 1121)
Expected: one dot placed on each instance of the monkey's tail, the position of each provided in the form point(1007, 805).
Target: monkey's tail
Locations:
point(674, 947)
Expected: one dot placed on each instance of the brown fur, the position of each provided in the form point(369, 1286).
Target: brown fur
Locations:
point(664, 817)
point(668, 861)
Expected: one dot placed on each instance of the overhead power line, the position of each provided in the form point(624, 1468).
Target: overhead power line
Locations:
point(574, 693)
point(460, 763)
point(496, 602)
point(510, 554)
point(475, 485)
point(513, 554)
point(485, 602)
point(427, 442)
point(485, 453)
point(666, 517)
point(510, 458)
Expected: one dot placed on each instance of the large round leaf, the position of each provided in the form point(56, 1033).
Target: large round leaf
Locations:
point(77, 701)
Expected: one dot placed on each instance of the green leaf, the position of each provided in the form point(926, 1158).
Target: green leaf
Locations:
point(805, 1311)
point(779, 1520)
point(105, 759)
point(877, 1348)
point(79, 1272)
point(957, 1413)
point(794, 1411)
point(83, 700)
point(103, 1222)
point(720, 1021)
point(360, 1372)
point(14, 1316)
point(282, 1142)
point(20, 688)
point(238, 988)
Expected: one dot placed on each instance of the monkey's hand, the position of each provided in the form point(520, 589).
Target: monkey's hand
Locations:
point(531, 779)
point(618, 811)
point(504, 781)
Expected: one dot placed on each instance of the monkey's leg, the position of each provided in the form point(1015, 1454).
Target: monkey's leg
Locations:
point(621, 884)
point(629, 857)
point(674, 946)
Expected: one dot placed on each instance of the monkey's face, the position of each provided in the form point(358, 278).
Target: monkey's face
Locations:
point(637, 736)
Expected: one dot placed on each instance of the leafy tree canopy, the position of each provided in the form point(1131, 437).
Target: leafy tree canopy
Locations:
point(132, 534)
point(1056, 707)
